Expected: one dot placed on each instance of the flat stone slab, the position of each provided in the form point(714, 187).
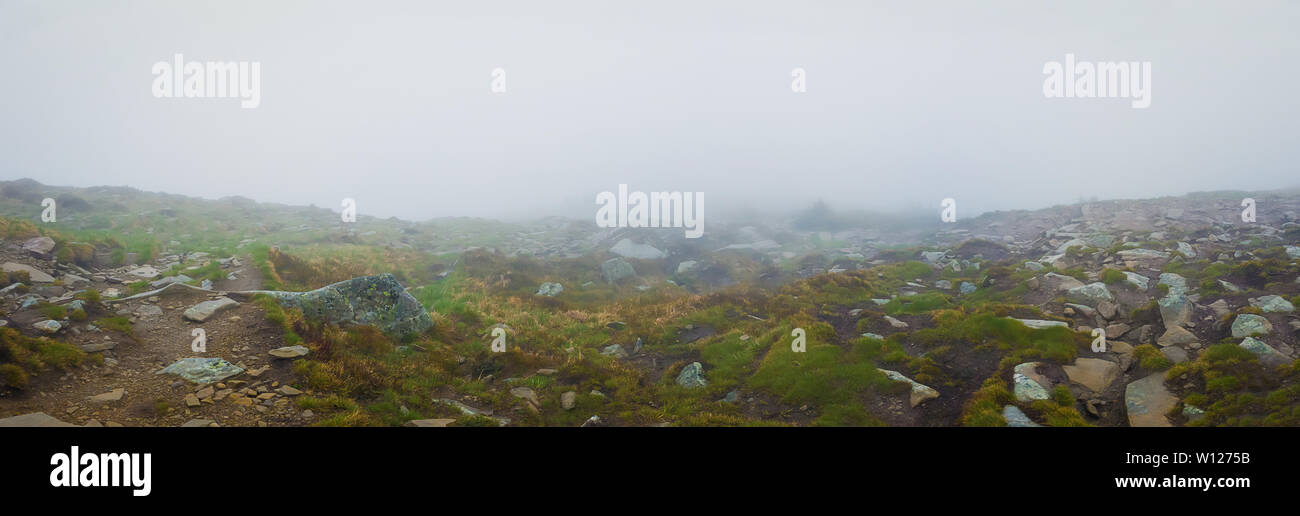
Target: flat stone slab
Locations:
point(290, 352)
point(35, 419)
point(1093, 373)
point(1147, 400)
point(1039, 324)
point(145, 272)
point(36, 275)
point(429, 423)
point(108, 397)
point(205, 310)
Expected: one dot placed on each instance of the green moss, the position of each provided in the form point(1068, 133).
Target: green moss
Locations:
point(1113, 276)
point(1150, 358)
point(55, 312)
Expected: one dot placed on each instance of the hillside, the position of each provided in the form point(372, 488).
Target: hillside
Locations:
point(989, 321)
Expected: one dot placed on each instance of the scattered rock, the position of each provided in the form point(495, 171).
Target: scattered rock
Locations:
point(202, 370)
point(616, 269)
point(108, 397)
point(289, 352)
point(692, 376)
point(628, 249)
point(1147, 401)
point(378, 301)
point(1017, 418)
point(34, 419)
point(920, 393)
point(1039, 324)
point(550, 289)
point(1094, 373)
point(895, 322)
point(205, 310)
point(34, 274)
point(429, 423)
point(47, 326)
point(1272, 304)
point(1267, 354)
point(614, 350)
point(1246, 325)
point(1090, 294)
point(1176, 336)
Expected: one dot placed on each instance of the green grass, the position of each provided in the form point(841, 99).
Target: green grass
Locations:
point(825, 375)
point(120, 324)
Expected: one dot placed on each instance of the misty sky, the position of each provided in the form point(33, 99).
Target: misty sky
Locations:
point(907, 102)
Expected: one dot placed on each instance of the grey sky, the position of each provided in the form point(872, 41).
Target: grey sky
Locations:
point(907, 103)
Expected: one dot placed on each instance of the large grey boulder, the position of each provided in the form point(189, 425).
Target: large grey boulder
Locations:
point(616, 269)
point(40, 246)
point(378, 301)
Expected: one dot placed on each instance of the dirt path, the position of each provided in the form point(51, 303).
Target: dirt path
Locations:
point(240, 335)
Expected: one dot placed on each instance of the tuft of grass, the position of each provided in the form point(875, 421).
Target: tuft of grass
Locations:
point(1150, 358)
point(120, 324)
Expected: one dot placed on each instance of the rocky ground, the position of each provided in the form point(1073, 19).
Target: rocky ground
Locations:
point(1168, 282)
point(126, 389)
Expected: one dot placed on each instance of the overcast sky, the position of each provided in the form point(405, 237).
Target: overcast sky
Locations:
point(907, 102)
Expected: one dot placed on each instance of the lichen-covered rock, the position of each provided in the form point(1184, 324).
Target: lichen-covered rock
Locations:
point(550, 289)
point(202, 370)
point(692, 376)
point(1246, 325)
point(615, 269)
point(1267, 354)
point(1272, 303)
point(1090, 294)
point(378, 301)
point(48, 326)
